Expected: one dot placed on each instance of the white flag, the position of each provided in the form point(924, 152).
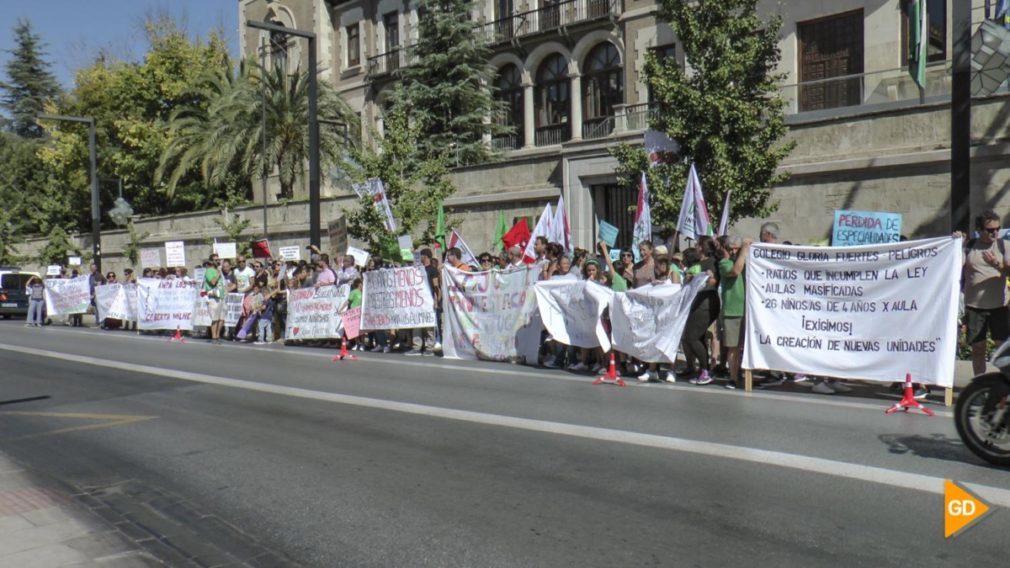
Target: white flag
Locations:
point(724, 221)
point(466, 255)
point(560, 228)
point(543, 229)
point(643, 218)
point(694, 220)
point(375, 190)
point(661, 148)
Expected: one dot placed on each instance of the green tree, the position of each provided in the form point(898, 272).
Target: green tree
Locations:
point(131, 102)
point(415, 184)
point(29, 82)
point(726, 113)
point(233, 231)
point(449, 85)
point(226, 135)
point(132, 249)
point(58, 247)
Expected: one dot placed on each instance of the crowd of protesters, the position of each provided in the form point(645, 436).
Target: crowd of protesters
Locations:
point(712, 340)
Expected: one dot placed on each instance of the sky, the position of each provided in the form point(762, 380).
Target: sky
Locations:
point(75, 31)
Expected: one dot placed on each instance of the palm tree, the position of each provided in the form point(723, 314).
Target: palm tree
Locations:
point(224, 136)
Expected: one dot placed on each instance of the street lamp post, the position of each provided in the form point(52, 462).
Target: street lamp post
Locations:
point(96, 216)
point(314, 216)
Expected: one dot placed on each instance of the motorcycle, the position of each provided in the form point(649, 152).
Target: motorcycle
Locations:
point(982, 413)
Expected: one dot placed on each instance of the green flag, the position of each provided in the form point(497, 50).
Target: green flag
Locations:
point(440, 228)
point(918, 41)
point(500, 231)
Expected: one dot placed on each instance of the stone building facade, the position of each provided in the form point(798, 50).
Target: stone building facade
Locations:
point(572, 73)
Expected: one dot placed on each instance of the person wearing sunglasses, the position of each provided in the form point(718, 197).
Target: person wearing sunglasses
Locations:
point(986, 267)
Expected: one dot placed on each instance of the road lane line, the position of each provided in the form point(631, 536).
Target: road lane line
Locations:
point(872, 474)
point(714, 390)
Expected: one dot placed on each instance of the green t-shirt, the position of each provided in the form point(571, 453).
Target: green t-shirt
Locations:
point(618, 283)
point(354, 299)
point(734, 291)
point(209, 276)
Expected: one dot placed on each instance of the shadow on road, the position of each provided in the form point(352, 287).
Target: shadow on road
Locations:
point(936, 446)
point(21, 400)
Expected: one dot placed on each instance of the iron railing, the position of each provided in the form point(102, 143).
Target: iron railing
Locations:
point(553, 134)
point(548, 18)
point(599, 127)
point(506, 142)
point(864, 89)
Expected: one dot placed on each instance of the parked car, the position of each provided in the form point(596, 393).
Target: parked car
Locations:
point(14, 291)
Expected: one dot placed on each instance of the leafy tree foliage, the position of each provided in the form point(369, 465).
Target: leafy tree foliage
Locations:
point(449, 84)
point(726, 113)
point(415, 184)
point(224, 136)
point(29, 82)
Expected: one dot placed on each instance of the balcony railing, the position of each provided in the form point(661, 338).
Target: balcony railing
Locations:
point(506, 142)
point(391, 61)
point(865, 89)
point(599, 127)
point(547, 18)
point(554, 134)
point(636, 117)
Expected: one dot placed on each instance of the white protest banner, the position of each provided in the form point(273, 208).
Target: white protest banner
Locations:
point(201, 312)
point(53, 270)
point(571, 311)
point(647, 322)
point(113, 302)
point(233, 309)
point(68, 296)
point(360, 256)
point(175, 253)
point(313, 312)
point(199, 274)
point(872, 312)
point(484, 312)
point(150, 258)
point(165, 304)
point(397, 298)
point(290, 253)
point(225, 250)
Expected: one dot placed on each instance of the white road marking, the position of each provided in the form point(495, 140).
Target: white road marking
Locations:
point(715, 390)
point(883, 476)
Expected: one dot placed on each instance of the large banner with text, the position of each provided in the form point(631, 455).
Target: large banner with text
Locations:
point(571, 311)
point(397, 298)
point(116, 301)
point(647, 322)
point(166, 304)
point(871, 312)
point(314, 313)
point(485, 311)
point(67, 296)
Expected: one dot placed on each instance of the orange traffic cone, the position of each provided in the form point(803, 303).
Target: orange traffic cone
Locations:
point(343, 352)
point(611, 377)
point(178, 336)
point(908, 401)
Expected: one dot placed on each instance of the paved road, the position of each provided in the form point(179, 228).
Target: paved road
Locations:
point(234, 453)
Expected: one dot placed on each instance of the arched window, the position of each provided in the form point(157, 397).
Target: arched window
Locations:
point(602, 82)
point(510, 91)
point(552, 101)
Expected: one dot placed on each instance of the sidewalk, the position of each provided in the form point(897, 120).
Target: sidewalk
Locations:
point(41, 526)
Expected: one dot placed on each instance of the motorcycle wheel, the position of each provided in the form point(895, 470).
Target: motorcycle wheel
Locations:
point(975, 429)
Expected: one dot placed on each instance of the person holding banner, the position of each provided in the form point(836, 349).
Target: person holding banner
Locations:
point(734, 296)
point(36, 301)
point(425, 337)
point(347, 273)
point(704, 311)
point(214, 289)
point(986, 267)
point(453, 259)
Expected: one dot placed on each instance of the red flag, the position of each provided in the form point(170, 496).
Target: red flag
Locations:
point(518, 235)
point(261, 249)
